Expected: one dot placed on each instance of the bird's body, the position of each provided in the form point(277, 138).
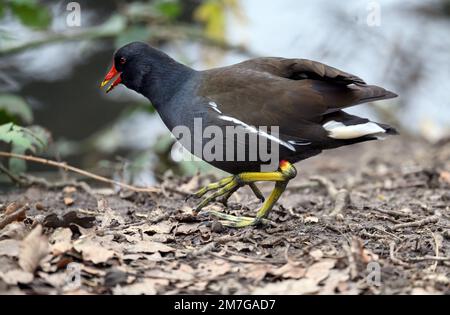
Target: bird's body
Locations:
point(302, 98)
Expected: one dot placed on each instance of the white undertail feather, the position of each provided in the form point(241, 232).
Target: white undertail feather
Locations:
point(338, 130)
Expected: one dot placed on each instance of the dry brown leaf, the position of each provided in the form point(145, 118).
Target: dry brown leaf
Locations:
point(56, 280)
point(144, 287)
point(212, 269)
point(33, 248)
point(445, 177)
point(241, 246)
point(288, 287)
point(61, 241)
point(198, 286)
point(311, 220)
point(424, 291)
point(183, 273)
point(13, 277)
point(317, 254)
point(186, 229)
point(149, 247)
point(69, 190)
point(162, 227)
point(191, 185)
point(320, 270)
point(110, 217)
point(335, 278)
point(257, 272)
point(93, 271)
point(162, 238)
point(18, 215)
point(290, 270)
point(15, 230)
point(12, 207)
point(68, 201)
point(10, 248)
point(148, 257)
point(92, 251)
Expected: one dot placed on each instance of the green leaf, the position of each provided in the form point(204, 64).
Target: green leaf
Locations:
point(30, 13)
point(31, 139)
point(2, 10)
point(17, 166)
point(14, 108)
point(171, 9)
point(34, 139)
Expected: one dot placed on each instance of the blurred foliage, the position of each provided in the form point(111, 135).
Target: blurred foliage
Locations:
point(167, 10)
point(212, 14)
point(29, 12)
point(34, 139)
point(22, 139)
point(14, 110)
point(153, 21)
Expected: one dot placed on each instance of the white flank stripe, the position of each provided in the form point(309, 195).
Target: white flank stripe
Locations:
point(260, 132)
point(338, 130)
point(299, 142)
point(215, 107)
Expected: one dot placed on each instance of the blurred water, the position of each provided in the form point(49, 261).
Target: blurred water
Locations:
point(407, 53)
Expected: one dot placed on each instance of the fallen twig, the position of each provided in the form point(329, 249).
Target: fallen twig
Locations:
point(432, 219)
point(395, 259)
point(351, 261)
point(341, 201)
point(436, 250)
point(341, 196)
point(394, 213)
point(325, 182)
point(246, 260)
point(13, 216)
point(203, 250)
point(32, 180)
point(426, 258)
point(79, 171)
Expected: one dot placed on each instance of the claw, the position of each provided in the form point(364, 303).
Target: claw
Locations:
point(229, 185)
point(238, 222)
point(257, 192)
point(222, 191)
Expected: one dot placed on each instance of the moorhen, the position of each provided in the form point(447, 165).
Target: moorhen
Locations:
point(302, 100)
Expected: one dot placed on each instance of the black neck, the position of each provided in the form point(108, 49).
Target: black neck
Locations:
point(164, 79)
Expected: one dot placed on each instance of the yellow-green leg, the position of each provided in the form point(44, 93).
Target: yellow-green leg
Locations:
point(225, 187)
point(252, 186)
point(281, 178)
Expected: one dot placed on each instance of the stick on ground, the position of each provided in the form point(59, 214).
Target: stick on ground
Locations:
point(13, 216)
point(79, 171)
point(420, 223)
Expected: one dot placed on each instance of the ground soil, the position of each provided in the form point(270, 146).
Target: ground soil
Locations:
point(372, 218)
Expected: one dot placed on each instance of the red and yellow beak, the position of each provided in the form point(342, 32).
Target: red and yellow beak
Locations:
point(111, 74)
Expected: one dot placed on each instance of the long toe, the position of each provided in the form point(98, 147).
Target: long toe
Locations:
point(214, 186)
point(238, 222)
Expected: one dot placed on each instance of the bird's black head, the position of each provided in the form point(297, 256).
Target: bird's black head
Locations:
point(142, 68)
point(130, 64)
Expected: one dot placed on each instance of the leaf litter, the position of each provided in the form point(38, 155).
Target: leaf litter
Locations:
point(395, 223)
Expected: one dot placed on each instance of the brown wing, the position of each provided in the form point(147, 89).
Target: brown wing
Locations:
point(294, 94)
point(299, 69)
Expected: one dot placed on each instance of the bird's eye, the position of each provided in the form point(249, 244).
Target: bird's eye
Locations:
point(122, 60)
